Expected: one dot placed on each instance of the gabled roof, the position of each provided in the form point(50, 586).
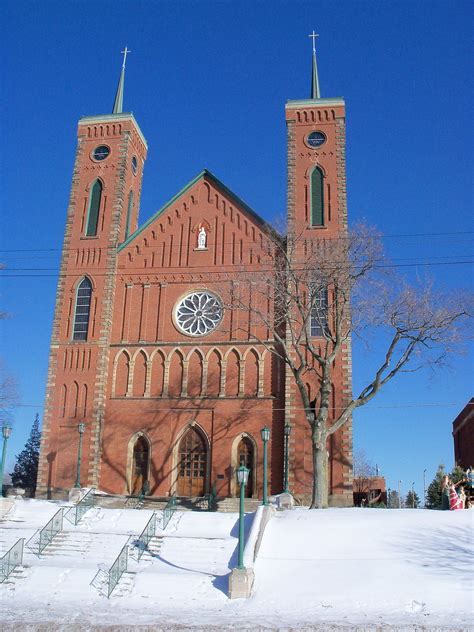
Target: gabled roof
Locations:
point(205, 174)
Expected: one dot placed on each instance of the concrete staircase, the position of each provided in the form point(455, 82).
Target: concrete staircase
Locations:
point(151, 552)
point(231, 505)
point(227, 505)
point(75, 544)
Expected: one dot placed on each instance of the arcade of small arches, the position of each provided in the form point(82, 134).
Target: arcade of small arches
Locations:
point(193, 374)
point(190, 472)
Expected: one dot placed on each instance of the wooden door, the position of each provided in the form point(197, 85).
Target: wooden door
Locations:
point(192, 465)
point(245, 457)
point(141, 453)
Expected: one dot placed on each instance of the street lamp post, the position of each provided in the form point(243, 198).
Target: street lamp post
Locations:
point(80, 428)
point(6, 432)
point(413, 495)
point(287, 432)
point(265, 434)
point(242, 478)
point(399, 494)
point(424, 489)
point(388, 498)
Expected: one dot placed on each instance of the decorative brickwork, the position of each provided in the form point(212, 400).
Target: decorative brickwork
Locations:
point(142, 376)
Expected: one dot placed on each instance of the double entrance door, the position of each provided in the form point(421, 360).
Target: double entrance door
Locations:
point(192, 465)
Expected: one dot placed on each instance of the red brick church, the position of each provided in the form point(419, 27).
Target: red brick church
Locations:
point(171, 386)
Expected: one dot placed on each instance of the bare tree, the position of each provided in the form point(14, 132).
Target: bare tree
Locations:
point(3, 315)
point(314, 295)
point(363, 473)
point(8, 395)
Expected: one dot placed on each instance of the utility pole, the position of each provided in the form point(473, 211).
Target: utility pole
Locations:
point(424, 488)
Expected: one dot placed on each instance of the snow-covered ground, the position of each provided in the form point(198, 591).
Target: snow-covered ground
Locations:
point(411, 569)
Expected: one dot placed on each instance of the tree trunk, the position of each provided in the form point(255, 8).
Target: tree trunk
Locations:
point(320, 468)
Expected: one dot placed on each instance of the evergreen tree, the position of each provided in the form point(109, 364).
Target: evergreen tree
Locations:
point(457, 474)
point(433, 493)
point(26, 468)
point(412, 500)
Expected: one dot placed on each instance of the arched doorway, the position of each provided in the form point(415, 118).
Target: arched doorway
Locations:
point(245, 456)
point(192, 464)
point(140, 463)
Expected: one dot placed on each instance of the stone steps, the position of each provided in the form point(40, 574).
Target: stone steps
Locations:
point(152, 550)
point(231, 505)
point(182, 504)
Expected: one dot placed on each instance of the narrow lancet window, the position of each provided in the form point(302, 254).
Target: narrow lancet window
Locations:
point(94, 208)
point(319, 312)
point(83, 309)
point(129, 214)
point(317, 198)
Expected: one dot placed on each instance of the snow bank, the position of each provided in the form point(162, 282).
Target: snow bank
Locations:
point(318, 569)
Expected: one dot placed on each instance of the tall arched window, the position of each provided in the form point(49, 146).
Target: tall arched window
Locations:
point(94, 207)
point(83, 309)
point(129, 214)
point(317, 198)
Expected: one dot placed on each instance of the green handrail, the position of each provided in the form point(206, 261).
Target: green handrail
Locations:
point(74, 514)
point(117, 569)
point(146, 535)
point(168, 511)
point(47, 533)
point(12, 558)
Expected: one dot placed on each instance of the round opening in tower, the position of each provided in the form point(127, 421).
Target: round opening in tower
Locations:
point(315, 139)
point(101, 152)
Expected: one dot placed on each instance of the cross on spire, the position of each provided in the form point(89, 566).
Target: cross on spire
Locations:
point(314, 36)
point(314, 70)
point(118, 102)
point(125, 53)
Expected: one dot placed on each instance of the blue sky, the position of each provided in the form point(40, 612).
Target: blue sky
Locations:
point(207, 82)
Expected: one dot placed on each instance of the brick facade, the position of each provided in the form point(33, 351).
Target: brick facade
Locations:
point(463, 435)
point(138, 379)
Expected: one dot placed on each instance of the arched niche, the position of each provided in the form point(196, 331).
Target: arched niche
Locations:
point(244, 450)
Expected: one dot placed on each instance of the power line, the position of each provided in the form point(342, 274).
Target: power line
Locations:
point(365, 407)
point(185, 269)
point(389, 236)
point(419, 259)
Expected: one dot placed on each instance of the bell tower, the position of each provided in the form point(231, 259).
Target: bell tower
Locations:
point(316, 162)
point(317, 210)
point(102, 213)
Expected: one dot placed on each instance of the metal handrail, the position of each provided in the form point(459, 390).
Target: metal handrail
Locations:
point(145, 536)
point(168, 512)
point(75, 513)
point(117, 569)
point(46, 535)
point(12, 558)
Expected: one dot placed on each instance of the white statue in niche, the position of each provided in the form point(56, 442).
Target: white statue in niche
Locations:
point(202, 239)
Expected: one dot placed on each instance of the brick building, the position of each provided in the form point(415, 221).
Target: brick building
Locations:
point(171, 385)
point(463, 435)
point(369, 490)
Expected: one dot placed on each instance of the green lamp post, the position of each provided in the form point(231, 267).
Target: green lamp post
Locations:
point(6, 432)
point(242, 478)
point(265, 434)
point(80, 428)
point(286, 432)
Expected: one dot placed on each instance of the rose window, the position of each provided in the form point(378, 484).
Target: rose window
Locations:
point(198, 313)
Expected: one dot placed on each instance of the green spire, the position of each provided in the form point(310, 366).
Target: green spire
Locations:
point(315, 94)
point(118, 103)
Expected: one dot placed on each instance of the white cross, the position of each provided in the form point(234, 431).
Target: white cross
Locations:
point(314, 36)
point(125, 53)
